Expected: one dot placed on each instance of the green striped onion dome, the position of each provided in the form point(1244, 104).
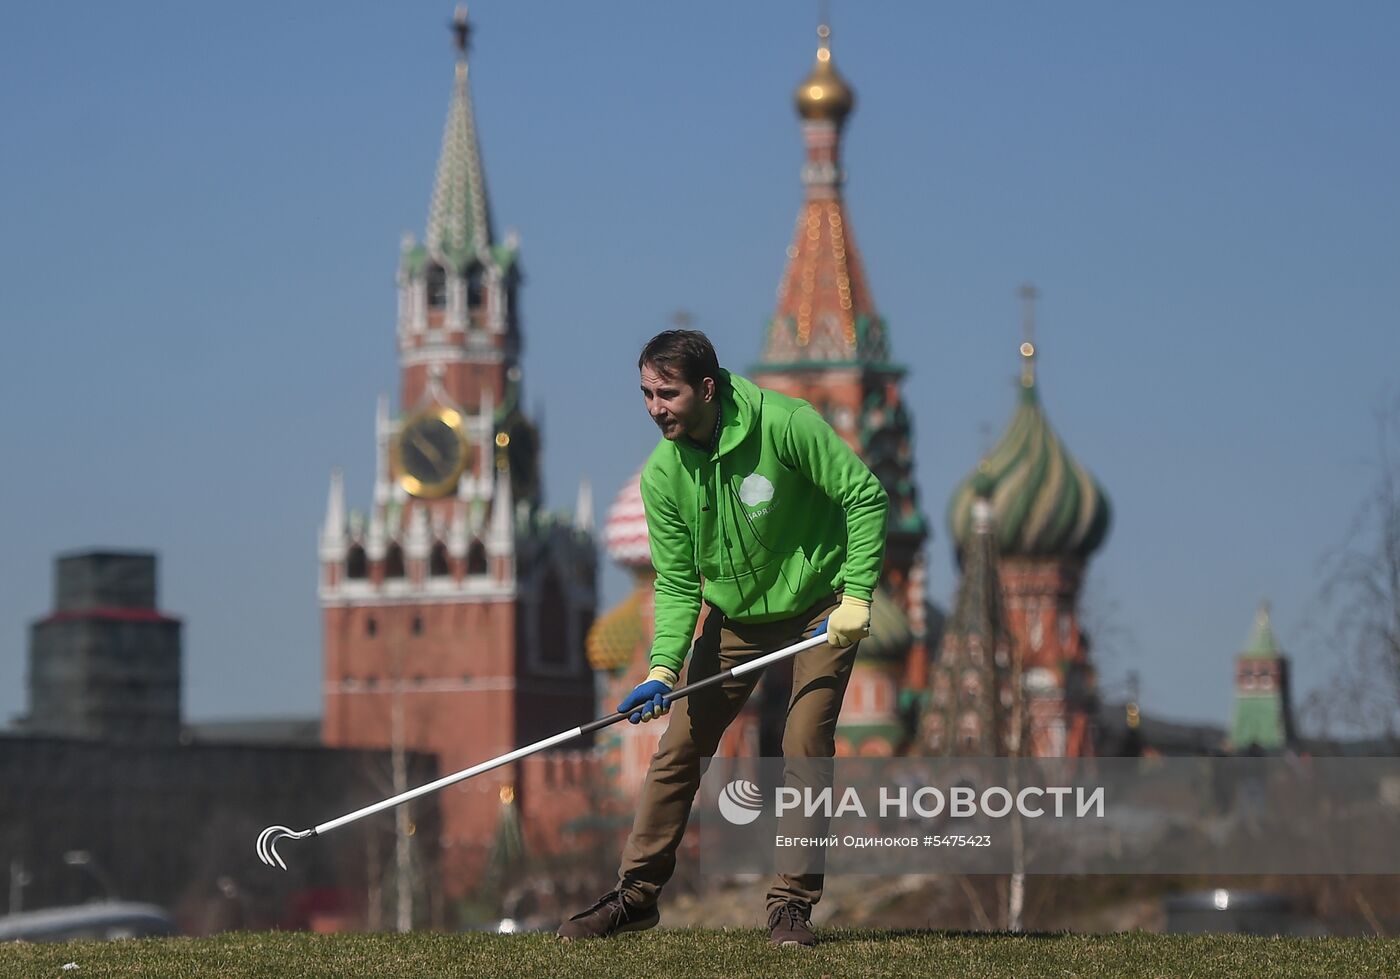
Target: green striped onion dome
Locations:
point(1044, 502)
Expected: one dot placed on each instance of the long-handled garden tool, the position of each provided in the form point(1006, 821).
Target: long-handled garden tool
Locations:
point(270, 837)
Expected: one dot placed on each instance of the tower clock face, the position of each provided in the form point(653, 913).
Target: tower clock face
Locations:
point(430, 452)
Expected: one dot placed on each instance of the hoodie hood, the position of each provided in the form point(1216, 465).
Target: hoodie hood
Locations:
point(739, 400)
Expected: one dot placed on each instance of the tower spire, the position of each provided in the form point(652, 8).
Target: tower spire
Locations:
point(458, 285)
point(501, 539)
point(1262, 719)
point(461, 33)
point(382, 433)
point(1029, 294)
point(583, 510)
point(459, 220)
point(1261, 638)
point(333, 535)
point(825, 312)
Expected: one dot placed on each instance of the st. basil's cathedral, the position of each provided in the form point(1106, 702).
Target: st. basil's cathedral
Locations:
point(1024, 524)
point(454, 597)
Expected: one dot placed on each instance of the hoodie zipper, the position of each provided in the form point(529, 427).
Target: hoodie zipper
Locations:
point(710, 496)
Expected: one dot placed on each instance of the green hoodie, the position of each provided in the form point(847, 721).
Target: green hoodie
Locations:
point(782, 513)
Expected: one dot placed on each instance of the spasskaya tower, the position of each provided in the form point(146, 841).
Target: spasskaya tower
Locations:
point(455, 607)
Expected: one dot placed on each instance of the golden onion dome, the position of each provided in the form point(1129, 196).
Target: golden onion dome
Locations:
point(824, 94)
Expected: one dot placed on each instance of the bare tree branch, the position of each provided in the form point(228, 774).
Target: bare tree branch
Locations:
point(1359, 601)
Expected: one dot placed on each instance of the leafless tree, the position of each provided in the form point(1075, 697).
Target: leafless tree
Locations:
point(412, 880)
point(1359, 603)
point(1101, 621)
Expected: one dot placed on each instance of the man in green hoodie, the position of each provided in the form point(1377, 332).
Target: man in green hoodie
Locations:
point(756, 507)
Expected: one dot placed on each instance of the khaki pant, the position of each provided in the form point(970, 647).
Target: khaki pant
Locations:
point(819, 677)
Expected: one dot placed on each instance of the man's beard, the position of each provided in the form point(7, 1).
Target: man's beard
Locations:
point(671, 429)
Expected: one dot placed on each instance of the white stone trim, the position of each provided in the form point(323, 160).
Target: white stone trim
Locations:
point(437, 591)
point(453, 354)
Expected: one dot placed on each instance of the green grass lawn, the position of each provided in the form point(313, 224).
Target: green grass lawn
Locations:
point(688, 953)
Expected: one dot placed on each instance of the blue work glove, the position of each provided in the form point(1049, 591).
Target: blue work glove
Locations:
point(648, 698)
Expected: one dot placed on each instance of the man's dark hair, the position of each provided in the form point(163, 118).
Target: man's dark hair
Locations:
point(684, 353)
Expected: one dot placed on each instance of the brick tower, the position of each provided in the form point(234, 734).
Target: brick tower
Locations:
point(828, 344)
point(1049, 516)
point(1262, 718)
point(454, 614)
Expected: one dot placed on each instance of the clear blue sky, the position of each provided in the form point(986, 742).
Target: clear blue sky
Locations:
point(201, 205)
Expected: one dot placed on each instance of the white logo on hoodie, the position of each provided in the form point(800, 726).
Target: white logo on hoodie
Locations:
point(755, 489)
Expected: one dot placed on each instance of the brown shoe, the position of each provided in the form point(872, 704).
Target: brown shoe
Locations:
point(789, 925)
point(610, 916)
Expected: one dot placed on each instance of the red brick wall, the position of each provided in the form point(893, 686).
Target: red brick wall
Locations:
point(458, 689)
point(1046, 592)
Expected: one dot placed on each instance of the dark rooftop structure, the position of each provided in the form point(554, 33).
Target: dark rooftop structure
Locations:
point(105, 663)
